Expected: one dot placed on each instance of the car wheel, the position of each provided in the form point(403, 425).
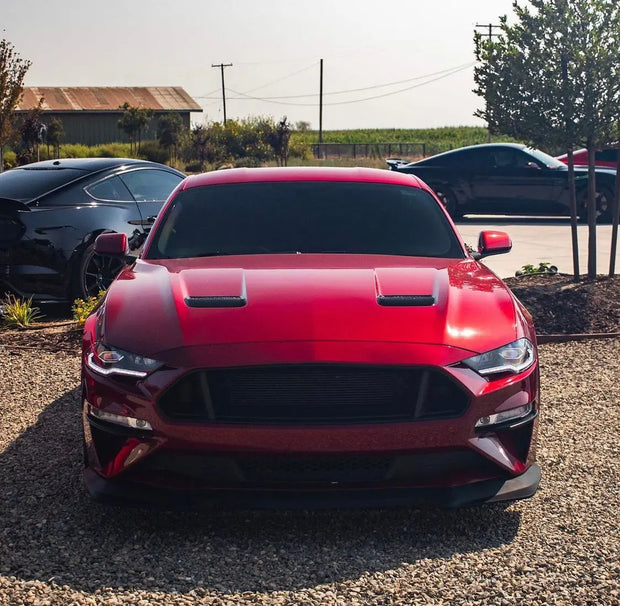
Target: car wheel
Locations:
point(448, 199)
point(604, 205)
point(95, 273)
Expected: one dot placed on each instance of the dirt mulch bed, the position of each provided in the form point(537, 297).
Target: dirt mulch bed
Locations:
point(557, 303)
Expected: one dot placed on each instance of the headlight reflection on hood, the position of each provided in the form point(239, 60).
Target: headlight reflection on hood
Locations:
point(107, 360)
point(512, 358)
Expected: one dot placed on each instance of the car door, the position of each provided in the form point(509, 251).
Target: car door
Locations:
point(514, 182)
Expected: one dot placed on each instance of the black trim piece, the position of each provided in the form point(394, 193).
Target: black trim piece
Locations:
point(486, 491)
point(406, 300)
point(118, 430)
point(216, 301)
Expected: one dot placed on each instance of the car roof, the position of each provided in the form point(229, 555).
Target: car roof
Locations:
point(303, 173)
point(86, 164)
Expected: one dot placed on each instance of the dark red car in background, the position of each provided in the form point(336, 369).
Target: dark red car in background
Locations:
point(607, 158)
point(313, 337)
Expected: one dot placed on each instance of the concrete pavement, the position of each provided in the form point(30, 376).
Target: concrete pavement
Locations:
point(539, 239)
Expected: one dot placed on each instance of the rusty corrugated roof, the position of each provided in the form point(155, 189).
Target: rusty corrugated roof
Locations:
point(107, 98)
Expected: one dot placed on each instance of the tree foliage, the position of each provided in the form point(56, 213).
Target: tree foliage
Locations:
point(169, 132)
point(55, 134)
point(553, 78)
point(32, 132)
point(132, 123)
point(12, 72)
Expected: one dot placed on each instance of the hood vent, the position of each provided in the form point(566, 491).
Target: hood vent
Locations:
point(406, 300)
point(216, 301)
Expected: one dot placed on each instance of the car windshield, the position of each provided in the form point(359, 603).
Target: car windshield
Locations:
point(25, 184)
point(304, 217)
point(546, 159)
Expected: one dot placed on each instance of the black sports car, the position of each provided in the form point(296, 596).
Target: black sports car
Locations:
point(52, 211)
point(508, 178)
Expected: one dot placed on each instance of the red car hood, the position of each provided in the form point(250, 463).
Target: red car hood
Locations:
point(158, 307)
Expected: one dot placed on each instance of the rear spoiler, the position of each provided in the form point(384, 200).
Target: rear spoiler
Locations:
point(396, 163)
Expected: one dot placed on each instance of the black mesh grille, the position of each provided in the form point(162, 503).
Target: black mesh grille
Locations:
point(295, 470)
point(313, 394)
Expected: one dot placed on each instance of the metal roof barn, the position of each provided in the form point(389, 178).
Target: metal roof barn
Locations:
point(90, 114)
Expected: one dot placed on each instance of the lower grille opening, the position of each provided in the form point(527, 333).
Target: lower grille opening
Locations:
point(314, 394)
point(235, 470)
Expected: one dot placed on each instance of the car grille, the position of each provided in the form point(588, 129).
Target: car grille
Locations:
point(314, 394)
point(294, 470)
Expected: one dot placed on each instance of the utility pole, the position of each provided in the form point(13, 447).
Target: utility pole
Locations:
point(490, 34)
point(222, 66)
point(321, 112)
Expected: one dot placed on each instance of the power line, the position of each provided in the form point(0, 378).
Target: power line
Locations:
point(397, 92)
point(448, 71)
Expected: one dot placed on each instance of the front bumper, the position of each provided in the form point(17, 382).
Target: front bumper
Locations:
point(487, 491)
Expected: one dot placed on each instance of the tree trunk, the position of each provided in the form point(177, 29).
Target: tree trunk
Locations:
point(591, 213)
point(573, 213)
point(616, 217)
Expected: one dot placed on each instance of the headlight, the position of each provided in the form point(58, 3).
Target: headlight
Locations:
point(107, 360)
point(512, 358)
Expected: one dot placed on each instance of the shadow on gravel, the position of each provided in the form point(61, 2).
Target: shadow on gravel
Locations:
point(50, 529)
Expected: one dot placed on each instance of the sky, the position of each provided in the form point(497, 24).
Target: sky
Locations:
point(399, 64)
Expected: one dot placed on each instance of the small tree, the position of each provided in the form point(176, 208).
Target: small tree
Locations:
point(132, 123)
point(55, 134)
point(279, 141)
point(169, 130)
point(12, 72)
point(554, 78)
point(32, 132)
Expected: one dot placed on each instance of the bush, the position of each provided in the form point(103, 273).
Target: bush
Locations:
point(9, 159)
point(194, 167)
point(154, 152)
point(113, 150)
point(19, 312)
point(83, 308)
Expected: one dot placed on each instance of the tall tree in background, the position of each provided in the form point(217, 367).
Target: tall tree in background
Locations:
point(55, 134)
point(169, 130)
point(132, 123)
point(279, 140)
point(553, 78)
point(12, 72)
point(32, 132)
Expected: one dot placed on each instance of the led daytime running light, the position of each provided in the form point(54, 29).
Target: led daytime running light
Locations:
point(123, 420)
point(504, 416)
point(90, 362)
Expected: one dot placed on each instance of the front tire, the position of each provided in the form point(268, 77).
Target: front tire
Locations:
point(604, 205)
point(448, 199)
point(94, 273)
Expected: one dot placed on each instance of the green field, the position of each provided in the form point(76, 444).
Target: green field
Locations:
point(447, 137)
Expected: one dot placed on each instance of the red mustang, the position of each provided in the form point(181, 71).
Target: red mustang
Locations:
point(309, 337)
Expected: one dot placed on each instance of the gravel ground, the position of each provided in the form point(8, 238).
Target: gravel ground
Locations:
point(561, 547)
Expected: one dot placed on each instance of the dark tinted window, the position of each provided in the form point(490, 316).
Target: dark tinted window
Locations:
point(150, 184)
point(607, 155)
point(28, 183)
point(305, 217)
point(109, 189)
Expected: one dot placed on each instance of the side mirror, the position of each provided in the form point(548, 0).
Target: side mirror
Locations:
point(112, 245)
point(493, 243)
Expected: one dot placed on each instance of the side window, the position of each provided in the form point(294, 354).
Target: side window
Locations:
point(111, 188)
point(150, 184)
point(481, 159)
point(607, 155)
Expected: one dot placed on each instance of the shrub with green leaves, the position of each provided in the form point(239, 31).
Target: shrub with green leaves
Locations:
point(19, 312)
point(544, 267)
point(82, 308)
